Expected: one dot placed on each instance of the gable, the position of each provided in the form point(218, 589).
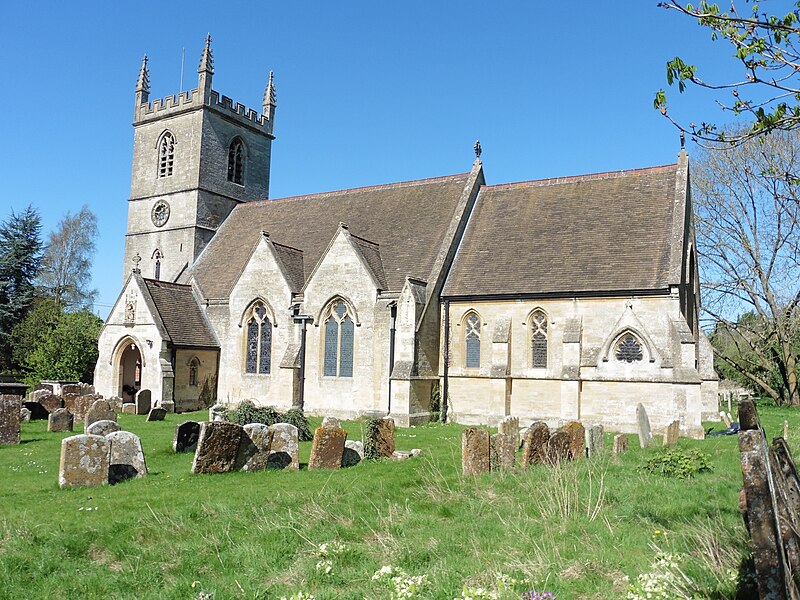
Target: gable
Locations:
point(181, 316)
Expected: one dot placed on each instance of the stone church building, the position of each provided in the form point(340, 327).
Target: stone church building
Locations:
point(557, 299)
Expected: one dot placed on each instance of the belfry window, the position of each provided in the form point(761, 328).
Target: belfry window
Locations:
point(236, 162)
point(629, 349)
point(339, 334)
point(472, 339)
point(166, 155)
point(538, 328)
point(259, 341)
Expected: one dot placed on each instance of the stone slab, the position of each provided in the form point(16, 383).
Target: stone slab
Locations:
point(128, 408)
point(186, 436)
point(534, 444)
point(102, 427)
point(10, 407)
point(620, 443)
point(126, 457)
point(284, 451)
point(79, 405)
point(577, 439)
point(643, 426)
point(353, 453)
point(261, 437)
point(217, 448)
point(672, 433)
point(475, 452)
point(327, 448)
point(508, 424)
point(51, 402)
point(504, 450)
point(60, 420)
point(100, 410)
point(156, 414)
point(594, 440)
point(143, 402)
point(84, 461)
point(559, 447)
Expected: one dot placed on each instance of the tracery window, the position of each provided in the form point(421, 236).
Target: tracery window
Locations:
point(236, 162)
point(472, 340)
point(538, 328)
point(166, 155)
point(629, 349)
point(339, 334)
point(259, 341)
point(194, 364)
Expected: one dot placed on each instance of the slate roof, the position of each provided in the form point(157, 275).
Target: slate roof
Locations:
point(591, 233)
point(407, 220)
point(183, 319)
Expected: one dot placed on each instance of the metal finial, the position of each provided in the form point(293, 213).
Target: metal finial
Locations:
point(683, 141)
point(477, 148)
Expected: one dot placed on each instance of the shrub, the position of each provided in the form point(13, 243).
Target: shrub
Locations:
point(295, 416)
point(679, 463)
point(208, 393)
point(247, 412)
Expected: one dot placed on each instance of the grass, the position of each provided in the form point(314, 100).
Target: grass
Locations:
point(577, 530)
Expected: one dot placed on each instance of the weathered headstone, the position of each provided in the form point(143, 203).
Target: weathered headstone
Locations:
point(327, 448)
point(60, 420)
point(594, 440)
point(509, 424)
point(186, 436)
point(47, 387)
point(126, 457)
point(748, 415)
point(643, 425)
point(534, 444)
point(385, 440)
point(24, 414)
point(331, 422)
point(217, 448)
point(620, 443)
point(577, 439)
point(218, 413)
point(87, 389)
point(261, 437)
point(100, 410)
point(115, 402)
point(72, 388)
point(37, 395)
point(671, 433)
point(69, 402)
point(84, 461)
point(353, 453)
point(725, 418)
point(284, 451)
point(102, 427)
point(81, 405)
point(129, 408)
point(156, 414)
point(504, 449)
point(143, 402)
point(475, 453)
point(51, 402)
point(10, 407)
point(559, 447)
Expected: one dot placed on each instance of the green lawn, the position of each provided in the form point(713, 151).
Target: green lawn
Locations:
point(577, 530)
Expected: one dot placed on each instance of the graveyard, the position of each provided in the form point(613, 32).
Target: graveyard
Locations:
point(430, 526)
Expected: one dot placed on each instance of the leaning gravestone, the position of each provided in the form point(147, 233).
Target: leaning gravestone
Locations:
point(672, 433)
point(102, 427)
point(51, 402)
point(37, 395)
point(218, 413)
point(143, 402)
point(643, 424)
point(504, 449)
point(559, 447)
point(126, 458)
point(620, 443)
point(475, 453)
point(594, 440)
point(81, 405)
point(100, 410)
point(186, 436)
point(577, 439)
point(534, 444)
point(217, 448)
point(327, 448)
point(84, 461)
point(10, 407)
point(156, 414)
point(116, 403)
point(509, 424)
point(353, 453)
point(60, 420)
point(24, 414)
point(284, 449)
point(261, 437)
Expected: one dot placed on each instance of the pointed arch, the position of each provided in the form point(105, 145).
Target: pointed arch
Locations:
point(157, 256)
point(166, 153)
point(471, 322)
point(237, 154)
point(257, 338)
point(326, 306)
point(194, 366)
point(338, 341)
point(121, 345)
point(629, 346)
point(538, 337)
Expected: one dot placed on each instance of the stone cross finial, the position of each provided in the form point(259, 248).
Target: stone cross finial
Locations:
point(207, 58)
point(136, 260)
point(477, 148)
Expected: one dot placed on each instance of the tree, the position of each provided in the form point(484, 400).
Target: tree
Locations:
point(65, 275)
point(748, 242)
point(20, 256)
point(768, 48)
point(34, 328)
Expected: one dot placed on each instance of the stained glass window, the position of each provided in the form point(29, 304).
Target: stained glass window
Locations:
point(259, 342)
point(166, 155)
point(629, 349)
point(236, 162)
point(473, 340)
point(539, 339)
point(252, 346)
point(339, 337)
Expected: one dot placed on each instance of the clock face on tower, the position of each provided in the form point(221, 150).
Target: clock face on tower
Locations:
point(160, 213)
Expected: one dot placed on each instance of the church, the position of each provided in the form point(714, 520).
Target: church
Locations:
point(554, 300)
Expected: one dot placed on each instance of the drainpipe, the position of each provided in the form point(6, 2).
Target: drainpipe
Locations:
point(304, 320)
point(392, 330)
point(443, 394)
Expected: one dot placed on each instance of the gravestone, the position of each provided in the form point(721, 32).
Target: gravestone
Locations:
point(509, 424)
point(69, 402)
point(577, 439)
point(100, 410)
point(284, 450)
point(748, 415)
point(186, 436)
point(116, 404)
point(48, 387)
point(156, 414)
point(10, 407)
point(81, 405)
point(217, 448)
point(385, 437)
point(143, 402)
point(327, 448)
point(331, 422)
point(51, 402)
point(672, 433)
point(72, 388)
point(60, 420)
point(261, 437)
point(37, 394)
point(38, 412)
point(129, 408)
point(87, 389)
point(353, 453)
point(620, 443)
point(84, 461)
point(218, 413)
point(534, 444)
point(594, 440)
point(24, 414)
point(102, 427)
point(475, 453)
point(504, 449)
point(643, 425)
point(126, 458)
point(725, 418)
point(559, 447)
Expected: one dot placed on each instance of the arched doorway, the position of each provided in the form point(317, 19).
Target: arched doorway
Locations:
point(130, 368)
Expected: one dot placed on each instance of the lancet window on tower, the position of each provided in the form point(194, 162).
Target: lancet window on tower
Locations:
point(166, 155)
point(236, 162)
point(339, 335)
point(538, 328)
point(259, 341)
point(472, 340)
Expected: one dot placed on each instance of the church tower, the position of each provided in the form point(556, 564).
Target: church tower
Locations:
point(195, 156)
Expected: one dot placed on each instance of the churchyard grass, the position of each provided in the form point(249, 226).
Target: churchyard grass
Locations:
point(587, 529)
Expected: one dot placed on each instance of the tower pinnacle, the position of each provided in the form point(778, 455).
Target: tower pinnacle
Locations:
point(205, 71)
point(270, 102)
point(142, 86)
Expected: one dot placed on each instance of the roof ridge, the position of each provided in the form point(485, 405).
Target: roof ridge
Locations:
point(167, 283)
point(288, 247)
point(363, 239)
point(586, 177)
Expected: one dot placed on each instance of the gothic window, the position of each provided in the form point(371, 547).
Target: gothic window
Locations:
point(339, 334)
point(137, 374)
point(157, 270)
point(236, 162)
point(194, 364)
point(259, 341)
point(472, 339)
point(629, 349)
point(166, 155)
point(538, 339)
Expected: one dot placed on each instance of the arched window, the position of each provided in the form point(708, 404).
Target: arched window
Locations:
point(259, 341)
point(538, 329)
point(194, 365)
point(166, 155)
point(472, 340)
point(628, 348)
point(339, 333)
point(236, 162)
point(137, 374)
point(157, 270)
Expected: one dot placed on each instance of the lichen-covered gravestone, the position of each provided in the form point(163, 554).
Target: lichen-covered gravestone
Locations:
point(60, 420)
point(217, 448)
point(620, 443)
point(327, 448)
point(559, 447)
point(594, 440)
point(126, 458)
point(50, 402)
point(156, 414)
point(577, 439)
point(73, 388)
point(284, 451)
point(84, 461)
point(353, 453)
point(504, 449)
point(81, 405)
point(508, 424)
point(100, 410)
point(143, 402)
point(475, 453)
point(102, 427)
point(24, 415)
point(643, 425)
point(186, 436)
point(261, 436)
point(534, 444)
point(218, 412)
point(10, 407)
point(672, 433)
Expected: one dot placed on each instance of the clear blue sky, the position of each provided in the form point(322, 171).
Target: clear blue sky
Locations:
point(368, 92)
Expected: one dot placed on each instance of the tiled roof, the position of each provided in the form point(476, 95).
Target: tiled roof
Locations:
point(408, 220)
point(372, 254)
point(592, 233)
point(183, 319)
point(292, 261)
